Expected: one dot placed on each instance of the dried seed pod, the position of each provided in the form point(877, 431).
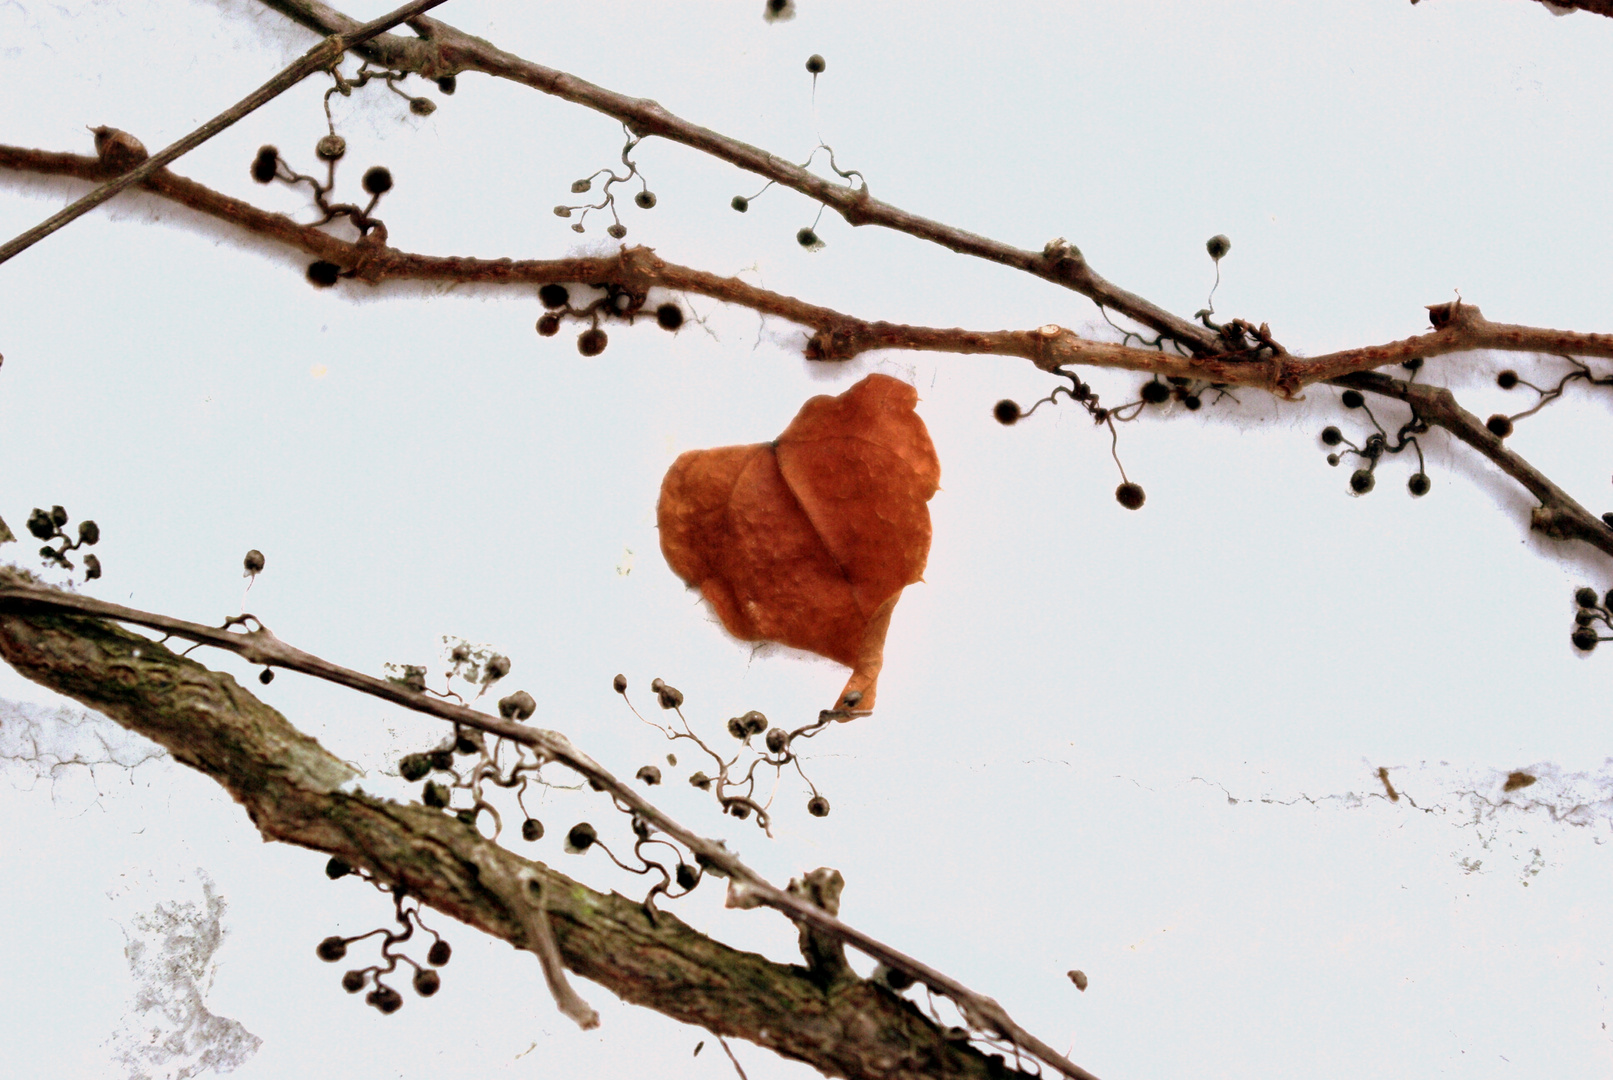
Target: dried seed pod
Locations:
point(619, 684)
point(330, 148)
point(649, 774)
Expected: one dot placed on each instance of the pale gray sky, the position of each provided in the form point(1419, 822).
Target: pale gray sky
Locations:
point(1143, 745)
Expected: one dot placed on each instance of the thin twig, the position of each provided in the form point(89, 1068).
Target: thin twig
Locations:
point(319, 58)
point(445, 50)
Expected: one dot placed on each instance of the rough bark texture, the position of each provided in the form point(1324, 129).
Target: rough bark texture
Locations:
point(296, 792)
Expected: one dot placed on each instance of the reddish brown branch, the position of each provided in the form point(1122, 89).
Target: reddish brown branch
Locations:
point(836, 336)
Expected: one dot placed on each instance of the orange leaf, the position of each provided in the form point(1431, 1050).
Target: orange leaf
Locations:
point(809, 540)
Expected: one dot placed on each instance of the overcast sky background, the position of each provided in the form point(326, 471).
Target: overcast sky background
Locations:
point(1140, 744)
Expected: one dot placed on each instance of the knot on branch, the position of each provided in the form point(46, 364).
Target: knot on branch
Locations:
point(1555, 522)
point(1454, 315)
point(1064, 260)
point(835, 343)
point(825, 957)
point(853, 204)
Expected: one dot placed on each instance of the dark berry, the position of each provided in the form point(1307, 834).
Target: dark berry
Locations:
point(447, 84)
point(1418, 485)
point(1500, 426)
point(1156, 392)
point(353, 982)
point(617, 231)
point(324, 274)
point(1006, 411)
point(554, 296)
point(701, 781)
point(778, 740)
point(669, 316)
point(439, 953)
point(1507, 379)
point(740, 203)
point(422, 106)
point(337, 868)
point(266, 676)
point(441, 760)
point(386, 999)
point(649, 774)
point(332, 949)
point(644, 200)
point(1352, 399)
point(1585, 596)
point(818, 806)
point(1584, 639)
point(265, 165)
point(1414, 364)
point(253, 563)
point(414, 767)
point(377, 180)
point(531, 830)
point(40, 524)
point(517, 706)
point(1332, 459)
point(1193, 402)
point(1361, 481)
point(58, 515)
point(688, 876)
point(619, 684)
point(591, 342)
point(807, 238)
point(434, 795)
point(581, 837)
point(427, 982)
point(92, 568)
point(548, 325)
point(739, 810)
point(736, 728)
point(89, 533)
point(1218, 246)
point(1130, 495)
point(1584, 617)
point(1332, 436)
point(816, 64)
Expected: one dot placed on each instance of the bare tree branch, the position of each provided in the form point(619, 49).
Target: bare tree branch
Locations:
point(296, 792)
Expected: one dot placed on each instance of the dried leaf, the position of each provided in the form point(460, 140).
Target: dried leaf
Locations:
point(809, 540)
